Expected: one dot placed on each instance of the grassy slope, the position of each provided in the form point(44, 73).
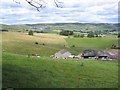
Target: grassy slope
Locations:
point(20, 72)
point(14, 43)
point(100, 43)
point(24, 44)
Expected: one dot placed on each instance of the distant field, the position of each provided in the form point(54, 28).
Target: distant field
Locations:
point(20, 71)
point(94, 43)
point(21, 43)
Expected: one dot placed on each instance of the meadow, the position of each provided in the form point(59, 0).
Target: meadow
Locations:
point(21, 71)
point(21, 43)
point(14, 42)
point(97, 43)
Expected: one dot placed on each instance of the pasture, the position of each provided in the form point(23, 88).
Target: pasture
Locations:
point(20, 71)
point(24, 44)
point(96, 43)
point(21, 43)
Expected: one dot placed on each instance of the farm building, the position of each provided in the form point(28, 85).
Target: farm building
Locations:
point(115, 46)
point(89, 53)
point(114, 55)
point(95, 54)
point(102, 54)
point(63, 54)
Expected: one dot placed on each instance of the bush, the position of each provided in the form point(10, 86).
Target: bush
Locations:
point(66, 32)
point(30, 32)
point(36, 42)
point(82, 35)
point(118, 35)
point(4, 30)
point(43, 43)
point(73, 45)
point(76, 35)
point(90, 34)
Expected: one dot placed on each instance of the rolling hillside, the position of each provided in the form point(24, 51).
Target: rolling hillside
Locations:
point(55, 28)
point(20, 71)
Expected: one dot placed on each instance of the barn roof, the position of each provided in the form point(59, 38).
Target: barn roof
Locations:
point(89, 52)
point(118, 45)
point(102, 53)
point(62, 51)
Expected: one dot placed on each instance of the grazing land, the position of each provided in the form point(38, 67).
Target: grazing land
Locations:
point(22, 71)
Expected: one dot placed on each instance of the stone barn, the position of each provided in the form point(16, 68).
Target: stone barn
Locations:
point(89, 53)
point(62, 54)
point(102, 55)
point(115, 46)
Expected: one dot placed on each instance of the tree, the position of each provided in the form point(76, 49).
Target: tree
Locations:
point(36, 43)
point(118, 35)
point(82, 35)
point(76, 35)
point(96, 35)
point(39, 4)
point(66, 32)
point(30, 32)
point(90, 34)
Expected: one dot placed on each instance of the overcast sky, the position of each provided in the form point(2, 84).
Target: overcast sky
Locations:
point(73, 11)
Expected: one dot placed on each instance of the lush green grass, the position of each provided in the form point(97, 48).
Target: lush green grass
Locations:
point(21, 43)
point(20, 71)
point(96, 43)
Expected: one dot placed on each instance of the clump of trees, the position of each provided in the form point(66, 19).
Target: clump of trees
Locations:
point(39, 31)
point(90, 35)
point(118, 35)
point(79, 35)
point(73, 45)
point(30, 32)
point(4, 30)
point(66, 32)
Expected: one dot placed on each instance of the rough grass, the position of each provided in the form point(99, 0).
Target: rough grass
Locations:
point(22, 72)
point(21, 43)
point(42, 38)
point(19, 71)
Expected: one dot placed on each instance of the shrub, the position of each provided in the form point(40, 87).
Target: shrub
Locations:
point(76, 35)
point(36, 42)
point(30, 32)
point(4, 30)
point(118, 35)
point(66, 32)
point(73, 45)
point(90, 34)
point(82, 35)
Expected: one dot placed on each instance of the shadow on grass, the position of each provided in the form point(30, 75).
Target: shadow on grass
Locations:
point(17, 77)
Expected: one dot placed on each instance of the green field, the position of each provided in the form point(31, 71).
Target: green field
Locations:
point(20, 43)
point(97, 43)
point(20, 71)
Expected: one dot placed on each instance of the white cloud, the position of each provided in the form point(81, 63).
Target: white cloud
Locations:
point(73, 11)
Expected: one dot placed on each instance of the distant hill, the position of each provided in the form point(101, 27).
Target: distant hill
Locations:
point(77, 27)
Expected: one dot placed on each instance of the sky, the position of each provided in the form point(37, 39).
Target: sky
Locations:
point(72, 11)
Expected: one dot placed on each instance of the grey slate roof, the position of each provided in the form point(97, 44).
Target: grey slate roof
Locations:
point(62, 54)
